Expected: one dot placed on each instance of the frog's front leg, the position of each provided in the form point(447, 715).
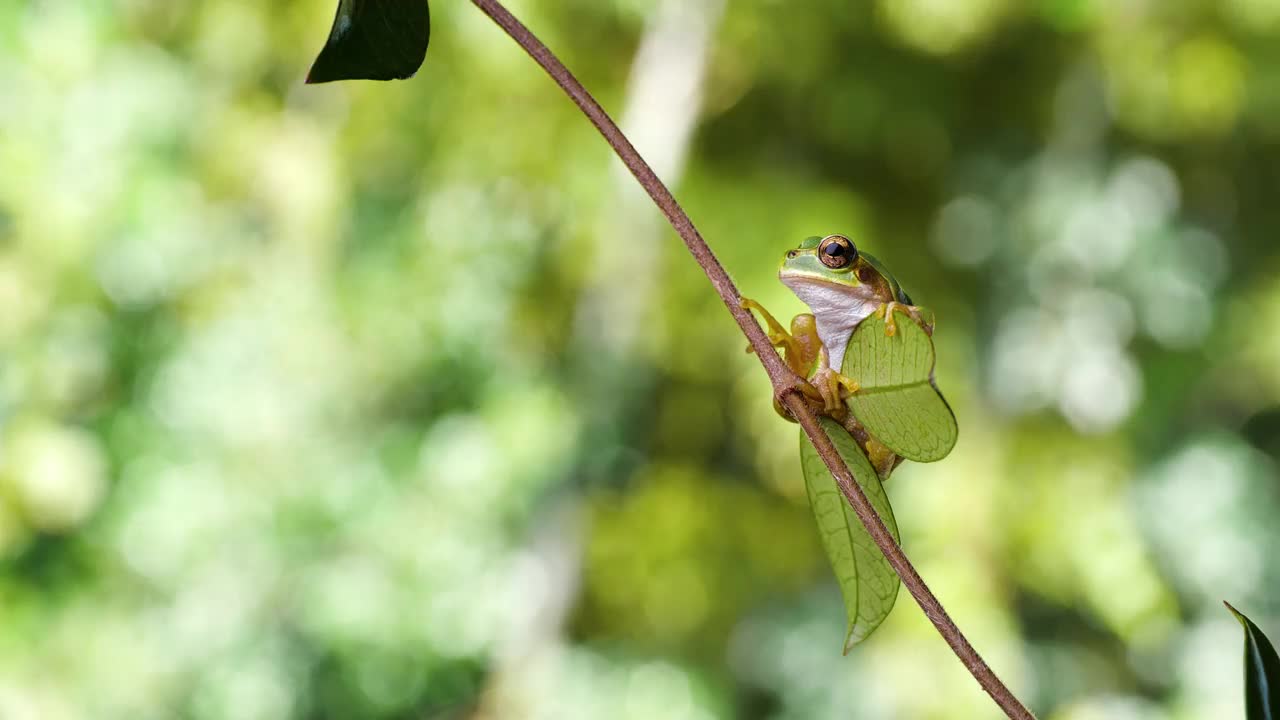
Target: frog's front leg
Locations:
point(799, 347)
point(891, 326)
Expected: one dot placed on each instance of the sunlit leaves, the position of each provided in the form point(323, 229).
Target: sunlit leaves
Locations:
point(898, 402)
point(867, 581)
point(1261, 672)
point(374, 40)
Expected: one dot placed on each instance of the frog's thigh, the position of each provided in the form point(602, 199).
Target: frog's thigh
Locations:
point(804, 328)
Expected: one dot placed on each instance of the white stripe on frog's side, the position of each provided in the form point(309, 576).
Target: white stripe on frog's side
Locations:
point(837, 310)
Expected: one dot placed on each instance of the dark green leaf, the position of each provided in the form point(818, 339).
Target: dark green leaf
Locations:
point(867, 581)
point(1261, 672)
point(374, 40)
point(898, 402)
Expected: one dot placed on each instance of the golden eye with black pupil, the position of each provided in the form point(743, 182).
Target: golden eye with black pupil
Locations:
point(837, 252)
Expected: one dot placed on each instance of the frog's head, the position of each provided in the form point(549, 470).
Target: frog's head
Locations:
point(840, 285)
point(830, 276)
point(828, 261)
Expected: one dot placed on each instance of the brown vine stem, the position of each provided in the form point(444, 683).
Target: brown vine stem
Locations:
point(785, 383)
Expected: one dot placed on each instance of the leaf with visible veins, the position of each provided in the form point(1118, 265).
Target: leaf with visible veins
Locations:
point(867, 581)
point(898, 402)
point(374, 40)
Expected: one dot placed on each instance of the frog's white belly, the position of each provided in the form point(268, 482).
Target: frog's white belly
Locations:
point(837, 310)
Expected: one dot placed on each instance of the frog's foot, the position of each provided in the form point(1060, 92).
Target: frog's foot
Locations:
point(778, 335)
point(882, 458)
point(798, 386)
point(912, 311)
point(834, 388)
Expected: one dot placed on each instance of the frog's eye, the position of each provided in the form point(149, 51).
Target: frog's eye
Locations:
point(837, 251)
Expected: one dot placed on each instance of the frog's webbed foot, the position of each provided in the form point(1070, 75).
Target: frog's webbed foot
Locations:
point(891, 324)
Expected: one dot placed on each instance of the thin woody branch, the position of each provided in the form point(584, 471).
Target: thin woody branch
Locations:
point(784, 381)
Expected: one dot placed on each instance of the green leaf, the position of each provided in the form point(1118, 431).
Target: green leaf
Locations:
point(867, 581)
point(1261, 672)
point(374, 40)
point(898, 402)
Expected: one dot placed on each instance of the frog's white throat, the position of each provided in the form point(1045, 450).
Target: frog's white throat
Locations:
point(837, 310)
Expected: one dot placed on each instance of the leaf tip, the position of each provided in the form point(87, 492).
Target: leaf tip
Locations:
point(1239, 615)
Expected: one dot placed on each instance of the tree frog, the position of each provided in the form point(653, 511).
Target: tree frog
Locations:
point(841, 286)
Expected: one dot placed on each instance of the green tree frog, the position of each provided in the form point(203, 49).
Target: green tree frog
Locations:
point(842, 287)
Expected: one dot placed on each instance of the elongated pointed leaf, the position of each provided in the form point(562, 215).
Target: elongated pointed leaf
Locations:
point(374, 40)
point(898, 402)
point(1261, 672)
point(867, 581)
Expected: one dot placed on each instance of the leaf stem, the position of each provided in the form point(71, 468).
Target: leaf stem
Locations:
point(785, 383)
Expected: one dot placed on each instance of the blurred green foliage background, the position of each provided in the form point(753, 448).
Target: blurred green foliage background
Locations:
point(400, 400)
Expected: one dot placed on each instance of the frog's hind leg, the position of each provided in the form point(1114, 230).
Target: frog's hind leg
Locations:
point(882, 458)
point(807, 344)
